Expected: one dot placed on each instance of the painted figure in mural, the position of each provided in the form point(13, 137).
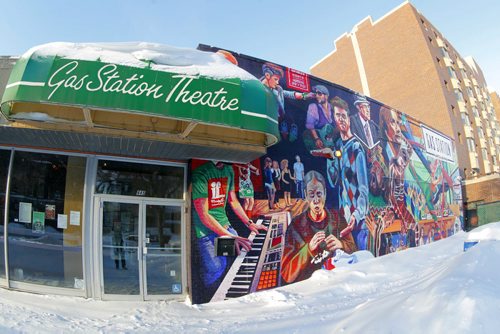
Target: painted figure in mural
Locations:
point(298, 174)
point(385, 220)
point(362, 125)
point(438, 186)
point(314, 235)
point(391, 136)
point(286, 180)
point(269, 182)
point(246, 191)
point(350, 172)
point(320, 125)
point(401, 151)
point(277, 184)
point(213, 189)
point(271, 79)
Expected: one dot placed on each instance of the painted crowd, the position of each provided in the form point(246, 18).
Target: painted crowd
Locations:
point(349, 174)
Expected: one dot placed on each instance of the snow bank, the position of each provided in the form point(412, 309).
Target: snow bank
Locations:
point(485, 232)
point(141, 54)
point(435, 288)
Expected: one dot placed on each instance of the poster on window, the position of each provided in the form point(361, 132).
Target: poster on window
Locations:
point(38, 225)
point(25, 212)
point(50, 211)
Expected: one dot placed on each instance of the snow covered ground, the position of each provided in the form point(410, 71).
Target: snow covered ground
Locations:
point(436, 288)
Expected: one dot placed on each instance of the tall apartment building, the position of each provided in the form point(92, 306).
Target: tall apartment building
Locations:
point(403, 60)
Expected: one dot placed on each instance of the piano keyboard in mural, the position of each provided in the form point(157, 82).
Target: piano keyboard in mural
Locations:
point(259, 268)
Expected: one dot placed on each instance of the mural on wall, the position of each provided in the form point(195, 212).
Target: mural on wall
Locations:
point(349, 176)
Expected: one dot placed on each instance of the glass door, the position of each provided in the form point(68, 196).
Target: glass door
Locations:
point(121, 268)
point(162, 252)
point(141, 252)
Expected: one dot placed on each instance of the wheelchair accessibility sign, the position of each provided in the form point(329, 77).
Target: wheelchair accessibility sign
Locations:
point(176, 288)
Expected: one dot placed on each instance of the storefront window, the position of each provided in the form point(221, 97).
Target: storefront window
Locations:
point(4, 168)
point(45, 219)
point(134, 179)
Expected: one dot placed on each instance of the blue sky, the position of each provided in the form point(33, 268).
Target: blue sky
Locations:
point(292, 33)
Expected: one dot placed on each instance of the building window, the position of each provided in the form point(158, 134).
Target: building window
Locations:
point(4, 168)
point(45, 219)
point(470, 92)
point(471, 145)
point(480, 132)
point(445, 53)
point(459, 137)
point(452, 72)
point(475, 112)
point(465, 118)
point(133, 179)
point(484, 152)
point(459, 95)
point(423, 23)
point(464, 74)
point(453, 111)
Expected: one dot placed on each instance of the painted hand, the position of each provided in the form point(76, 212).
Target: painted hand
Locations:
point(316, 241)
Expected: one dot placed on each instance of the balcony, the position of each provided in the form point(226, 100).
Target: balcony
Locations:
point(472, 101)
point(455, 83)
point(468, 131)
point(497, 140)
point(493, 151)
point(477, 121)
point(489, 133)
point(473, 160)
point(483, 143)
point(487, 167)
point(474, 82)
point(439, 42)
point(461, 106)
point(467, 82)
point(460, 64)
point(448, 62)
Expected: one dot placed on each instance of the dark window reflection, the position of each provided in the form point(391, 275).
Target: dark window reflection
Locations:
point(42, 251)
point(4, 167)
point(134, 179)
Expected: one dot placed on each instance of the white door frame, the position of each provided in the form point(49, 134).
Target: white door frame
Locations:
point(98, 255)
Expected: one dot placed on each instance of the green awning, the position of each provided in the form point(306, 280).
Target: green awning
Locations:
point(140, 79)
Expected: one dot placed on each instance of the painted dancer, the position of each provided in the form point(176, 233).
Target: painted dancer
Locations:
point(246, 191)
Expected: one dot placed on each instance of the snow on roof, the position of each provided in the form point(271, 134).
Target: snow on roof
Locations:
point(142, 54)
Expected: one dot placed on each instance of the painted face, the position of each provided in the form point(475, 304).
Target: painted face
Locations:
point(341, 119)
point(394, 128)
point(297, 158)
point(316, 196)
point(364, 111)
point(320, 97)
point(273, 80)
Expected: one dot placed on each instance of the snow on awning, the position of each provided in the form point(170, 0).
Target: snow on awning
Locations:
point(178, 93)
